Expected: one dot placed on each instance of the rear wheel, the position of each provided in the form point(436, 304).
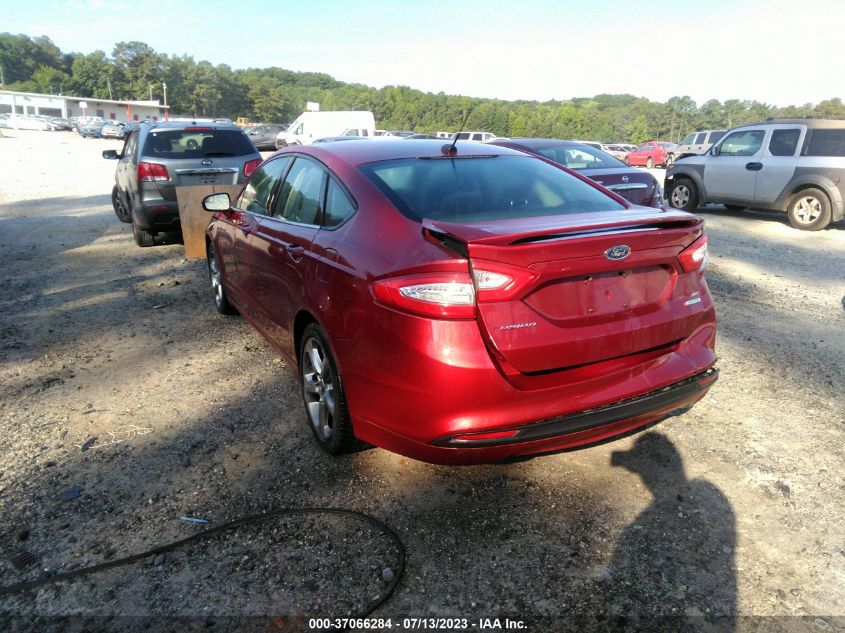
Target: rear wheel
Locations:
point(120, 209)
point(218, 291)
point(649, 163)
point(809, 210)
point(322, 393)
point(682, 194)
point(142, 238)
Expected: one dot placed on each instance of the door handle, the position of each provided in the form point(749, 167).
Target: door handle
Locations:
point(754, 166)
point(295, 251)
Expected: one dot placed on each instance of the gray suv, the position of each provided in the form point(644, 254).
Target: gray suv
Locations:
point(791, 165)
point(157, 157)
point(695, 143)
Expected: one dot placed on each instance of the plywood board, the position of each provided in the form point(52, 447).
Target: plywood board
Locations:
point(194, 218)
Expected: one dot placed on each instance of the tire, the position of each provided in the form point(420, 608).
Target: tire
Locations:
point(120, 210)
point(682, 194)
point(649, 163)
point(670, 159)
point(218, 290)
point(809, 210)
point(142, 238)
point(735, 207)
point(322, 393)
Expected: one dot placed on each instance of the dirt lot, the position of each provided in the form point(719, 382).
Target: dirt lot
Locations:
point(117, 377)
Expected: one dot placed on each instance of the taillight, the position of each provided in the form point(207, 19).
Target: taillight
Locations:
point(495, 281)
point(442, 295)
point(694, 256)
point(250, 166)
point(150, 172)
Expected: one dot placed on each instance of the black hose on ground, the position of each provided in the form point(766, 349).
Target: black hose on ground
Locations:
point(254, 518)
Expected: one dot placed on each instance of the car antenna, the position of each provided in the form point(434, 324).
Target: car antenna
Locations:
point(450, 149)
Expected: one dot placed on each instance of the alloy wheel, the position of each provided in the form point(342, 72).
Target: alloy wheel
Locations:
point(680, 196)
point(318, 388)
point(216, 281)
point(807, 209)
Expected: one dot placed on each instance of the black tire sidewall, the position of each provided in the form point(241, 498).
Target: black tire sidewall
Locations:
point(225, 307)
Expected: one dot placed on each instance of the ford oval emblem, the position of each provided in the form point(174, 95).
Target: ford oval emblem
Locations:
point(206, 162)
point(617, 252)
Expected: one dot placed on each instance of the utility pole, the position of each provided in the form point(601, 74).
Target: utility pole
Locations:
point(108, 81)
point(164, 87)
point(151, 92)
point(2, 78)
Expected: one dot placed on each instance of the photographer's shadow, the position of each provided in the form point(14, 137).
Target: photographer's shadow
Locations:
point(675, 562)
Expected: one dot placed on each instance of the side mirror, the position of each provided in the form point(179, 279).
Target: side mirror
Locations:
point(217, 202)
point(714, 151)
point(111, 154)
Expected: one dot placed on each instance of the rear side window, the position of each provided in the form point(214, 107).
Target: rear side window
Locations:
point(256, 195)
point(745, 143)
point(699, 139)
point(688, 140)
point(197, 143)
point(784, 142)
point(301, 193)
point(826, 143)
point(338, 206)
point(480, 188)
point(715, 136)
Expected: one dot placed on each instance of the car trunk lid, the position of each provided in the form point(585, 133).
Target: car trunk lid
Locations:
point(589, 287)
point(637, 187)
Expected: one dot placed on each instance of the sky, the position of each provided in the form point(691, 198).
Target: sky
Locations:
point(781, 52)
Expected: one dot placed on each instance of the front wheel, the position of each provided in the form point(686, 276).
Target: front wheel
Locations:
point(809, 210)
point(218, 292)
point(683, 195)
point(120, 209)
point(322, 393)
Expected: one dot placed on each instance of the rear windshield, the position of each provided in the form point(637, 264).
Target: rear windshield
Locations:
point(480, 188)
point(197, 143)
point(579, 157)
point(826, 143)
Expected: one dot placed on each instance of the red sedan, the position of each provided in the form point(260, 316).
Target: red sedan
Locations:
point(650, 154)
point(465, 304)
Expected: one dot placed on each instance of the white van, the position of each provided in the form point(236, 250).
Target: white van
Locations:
point(309, 126)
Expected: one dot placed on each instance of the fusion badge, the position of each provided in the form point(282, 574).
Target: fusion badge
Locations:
point(617, 252)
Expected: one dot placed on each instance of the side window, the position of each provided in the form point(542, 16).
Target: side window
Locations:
point(826, 143)
point(744, 143)
point(131, 144)
point(642, 148)
point(338, 205)
point(256, 195)
point(715, 136)
point(784, 142)
point(688, 140)
point(649, 147)
point(699, 139)
point(301, 194)
point(365, 132)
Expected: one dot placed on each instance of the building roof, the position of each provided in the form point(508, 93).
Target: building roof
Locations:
point(152, 104)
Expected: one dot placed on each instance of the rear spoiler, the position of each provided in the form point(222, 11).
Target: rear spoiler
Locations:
point(526, 230)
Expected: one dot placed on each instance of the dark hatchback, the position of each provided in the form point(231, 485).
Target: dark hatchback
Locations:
point(634, 185)
point(264, 136)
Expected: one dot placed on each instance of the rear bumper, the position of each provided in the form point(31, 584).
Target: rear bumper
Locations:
point(564, 433)
point(155, 213)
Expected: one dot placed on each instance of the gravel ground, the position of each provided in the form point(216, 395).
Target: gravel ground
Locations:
point(121, 387)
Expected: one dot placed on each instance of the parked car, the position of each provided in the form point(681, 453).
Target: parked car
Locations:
point(92, 129)
point(481, 137)
point(157, 157)
point(694, 144)
point(650, 154)
point(312, 125)
point(617, 151)
point(397, 134)
point(791, 165)
point(117, 129)
point(264, 136)
point(29, 122)
point(635, 185)
point(464, 305)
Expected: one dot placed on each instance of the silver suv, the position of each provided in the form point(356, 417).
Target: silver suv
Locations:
point(695, 144)
point(158, 157)
point(791, 165)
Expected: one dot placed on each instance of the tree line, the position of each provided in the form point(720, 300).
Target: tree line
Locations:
point(134, 70)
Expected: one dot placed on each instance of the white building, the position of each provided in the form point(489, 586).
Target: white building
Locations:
point(63, 106)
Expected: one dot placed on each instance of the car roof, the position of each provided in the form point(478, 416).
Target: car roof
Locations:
point(535, 143)
point(368, 151)
point(810, 122)
point(181, 125)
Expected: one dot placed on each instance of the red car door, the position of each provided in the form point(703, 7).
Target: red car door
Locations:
point(283, 254)
point(639, 155)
